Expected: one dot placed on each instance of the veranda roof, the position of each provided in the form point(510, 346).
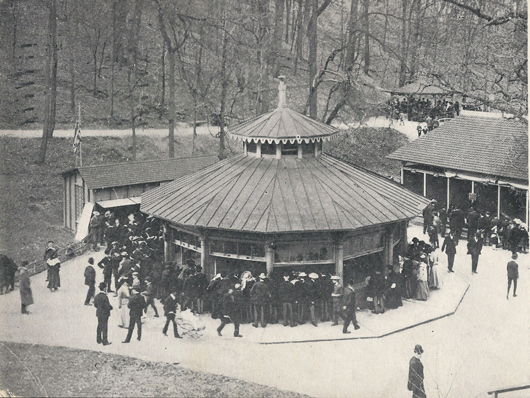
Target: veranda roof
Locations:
point(496, 147)
point(282, 125)
point(266, 195)
point(141, 172)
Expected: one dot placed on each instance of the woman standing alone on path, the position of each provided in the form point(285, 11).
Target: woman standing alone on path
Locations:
point(26, 296)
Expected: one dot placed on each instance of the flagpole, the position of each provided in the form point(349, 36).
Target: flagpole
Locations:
point(81, 141)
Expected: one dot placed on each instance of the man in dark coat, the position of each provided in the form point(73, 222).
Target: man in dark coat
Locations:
point(336, 297)
point(313, 295)
point(349, 305)
point(26, 296)
point(428, 215)
point(170, 310)
point(136, 309)
point(103, 308)
point(449, 246)
point(90, 280)
point(106, 265)
point(456, 223)
point(474, 247)
point(415, 382)
point(472, 222)
point(150, 296)
point(259, 297)
point(285, 292)
point(232, 306)
point(96, 227)
point(513, 275)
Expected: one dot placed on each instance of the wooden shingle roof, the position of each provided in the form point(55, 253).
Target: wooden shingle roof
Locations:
point(491, 146)
point(266, 195)
point(141, 172)
point(282, 125)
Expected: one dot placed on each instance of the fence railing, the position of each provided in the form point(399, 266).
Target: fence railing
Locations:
point(64, 253)
point(498, 391)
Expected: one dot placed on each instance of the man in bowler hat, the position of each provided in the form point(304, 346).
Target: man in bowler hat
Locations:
point(103, 308)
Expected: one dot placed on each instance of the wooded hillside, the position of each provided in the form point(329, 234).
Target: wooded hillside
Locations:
point(134, 63)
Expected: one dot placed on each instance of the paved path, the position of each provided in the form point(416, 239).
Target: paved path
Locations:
point(484, 345)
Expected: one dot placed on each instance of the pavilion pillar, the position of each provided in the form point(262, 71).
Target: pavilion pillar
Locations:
point(258, 149)
point(499, 202)
point(404, 244)
point(269, 258)
point(388, 249)
point(278, 150)
point(245, 149)
point(402, 178)
point(299, 151)
point(448, 193)
point(425, 184)
point(339, 261)
point(206, 264)
point(169, 246)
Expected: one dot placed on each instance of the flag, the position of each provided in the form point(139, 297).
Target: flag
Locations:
point(77, 138)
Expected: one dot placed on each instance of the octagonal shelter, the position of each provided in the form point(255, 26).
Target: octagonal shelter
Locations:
point(284, 204)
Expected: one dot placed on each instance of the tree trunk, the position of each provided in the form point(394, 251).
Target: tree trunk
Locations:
point(352, 35)
point(416, 5)
point(112, 61)
point(224, 90)
point(275, 52)
point(50, 81)
point(403, 45)
point(313, 44)
point(299, 34)
point(163, 77)
point(366, 37)
point(171, 104)
point(287, 19)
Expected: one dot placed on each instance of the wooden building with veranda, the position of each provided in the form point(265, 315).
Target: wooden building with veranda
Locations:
point(284, 205)
point(479, 161)
point(120, 185)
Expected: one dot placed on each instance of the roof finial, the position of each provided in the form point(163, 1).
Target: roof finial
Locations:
point(282, 99)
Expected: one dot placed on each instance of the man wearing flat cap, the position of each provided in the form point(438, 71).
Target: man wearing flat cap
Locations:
point(415, 383)
point(103, 308)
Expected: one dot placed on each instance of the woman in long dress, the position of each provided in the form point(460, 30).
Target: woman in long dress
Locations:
point(54, 265)
point(123, 300)
point(434, 277)
point(26, 296)
point(422, 287)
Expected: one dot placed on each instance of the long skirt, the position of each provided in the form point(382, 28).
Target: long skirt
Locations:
point(434, 278)
point(123, 320)
point(54, 280)
point(422, 291)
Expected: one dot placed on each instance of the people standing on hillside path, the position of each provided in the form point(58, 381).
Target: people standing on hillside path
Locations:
point(349, 305)
point(90, 280)
point(449, 246)
point(474, 247)
point(170, 311)
point(513, 275)
point(136, 306)
point(54, 265)
point(103, 308)
point(26, 296)
point(415, 382)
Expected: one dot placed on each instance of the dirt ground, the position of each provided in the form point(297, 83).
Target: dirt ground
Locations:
point(38, 370)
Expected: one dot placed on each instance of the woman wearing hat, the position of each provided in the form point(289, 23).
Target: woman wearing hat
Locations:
point(415, 383)
point(422, 287)
point(26, 296)
point(54, 265)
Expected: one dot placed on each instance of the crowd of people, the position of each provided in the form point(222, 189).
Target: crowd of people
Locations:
point(504, 232)
point(421, 109)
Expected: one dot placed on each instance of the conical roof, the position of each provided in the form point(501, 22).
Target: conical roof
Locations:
point(281, 126)
point(265, 195)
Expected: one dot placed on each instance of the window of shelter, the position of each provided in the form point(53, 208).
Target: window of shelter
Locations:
point(289, 149)
point(268, 149)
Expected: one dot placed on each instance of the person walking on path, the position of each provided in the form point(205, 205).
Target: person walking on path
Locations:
point(136, 309)
point(170, 310)
point(90, 280)
point(415, 382)
point(348, 307)
point(231, 310)
point(123, 302)
point(474, 247)
point(103, 308)
point(513, 275)
point(26, 296)
point(150, 296)
point(449, 246)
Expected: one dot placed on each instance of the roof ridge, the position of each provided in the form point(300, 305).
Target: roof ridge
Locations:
point(140, 162)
